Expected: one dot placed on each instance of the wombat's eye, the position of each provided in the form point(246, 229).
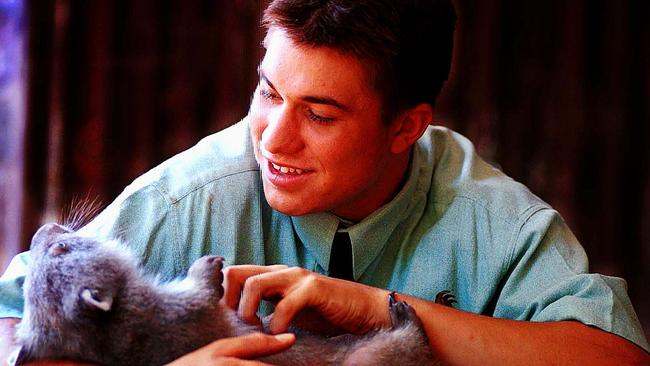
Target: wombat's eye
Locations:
point(58, 248)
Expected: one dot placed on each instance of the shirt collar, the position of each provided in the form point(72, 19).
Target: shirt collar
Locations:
point(368, 237)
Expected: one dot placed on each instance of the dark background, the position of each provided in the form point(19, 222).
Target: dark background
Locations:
point(556, 93)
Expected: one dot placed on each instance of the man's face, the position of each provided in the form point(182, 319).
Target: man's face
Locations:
point(318, 134)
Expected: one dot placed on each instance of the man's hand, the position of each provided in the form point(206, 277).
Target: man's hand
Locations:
point(350, 306)
point(457, 337)
point(235, 350)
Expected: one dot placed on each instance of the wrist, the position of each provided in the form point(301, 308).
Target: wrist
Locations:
point(381, 306)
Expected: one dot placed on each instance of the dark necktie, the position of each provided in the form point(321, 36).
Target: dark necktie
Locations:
point(341, 257)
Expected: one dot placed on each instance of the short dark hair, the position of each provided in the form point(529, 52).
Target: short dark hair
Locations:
point(407, 44)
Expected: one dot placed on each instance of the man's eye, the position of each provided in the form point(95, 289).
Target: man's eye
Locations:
point(267, 94)
point(318, 118)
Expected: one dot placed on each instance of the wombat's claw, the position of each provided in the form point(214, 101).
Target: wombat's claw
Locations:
point(391, 299)
point(445, 298)
point(401, 313)
point(208, 268)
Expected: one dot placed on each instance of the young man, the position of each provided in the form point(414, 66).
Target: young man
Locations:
point(337, 141)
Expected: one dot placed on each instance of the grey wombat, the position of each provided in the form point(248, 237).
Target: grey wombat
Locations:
point(88, 300)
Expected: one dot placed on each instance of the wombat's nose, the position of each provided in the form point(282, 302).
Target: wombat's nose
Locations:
point(214, 258)
point(47, 232)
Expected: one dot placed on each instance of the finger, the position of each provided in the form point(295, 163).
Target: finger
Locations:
point(252, 345)
point(236, 276)
point(193, 359)
point(229, 351)
point(265, 286)
point(231, 361)
point(287, 309)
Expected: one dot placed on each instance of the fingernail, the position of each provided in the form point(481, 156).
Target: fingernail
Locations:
point(285, 337)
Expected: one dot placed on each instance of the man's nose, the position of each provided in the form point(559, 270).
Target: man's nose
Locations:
point(282, 134)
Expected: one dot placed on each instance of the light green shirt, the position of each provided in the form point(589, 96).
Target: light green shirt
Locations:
point(458, 224)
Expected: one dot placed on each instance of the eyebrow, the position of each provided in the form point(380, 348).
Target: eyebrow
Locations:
point(309, 98)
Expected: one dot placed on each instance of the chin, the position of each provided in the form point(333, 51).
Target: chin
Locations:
point(291, 208)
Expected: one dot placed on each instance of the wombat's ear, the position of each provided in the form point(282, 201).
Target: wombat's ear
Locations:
point(47, 231)
point(97, 299)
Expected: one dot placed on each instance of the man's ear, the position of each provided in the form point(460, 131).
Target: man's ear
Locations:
point(97, 299)
point(409, 126)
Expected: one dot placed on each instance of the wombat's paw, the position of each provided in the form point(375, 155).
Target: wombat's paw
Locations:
point(208, 269)
point(445, 298)
point(401, 313)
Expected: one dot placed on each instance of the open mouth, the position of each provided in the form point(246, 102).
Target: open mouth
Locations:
point(285, 169)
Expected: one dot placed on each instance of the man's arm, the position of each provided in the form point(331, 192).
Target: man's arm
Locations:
point(464, 338)
point(457, 337)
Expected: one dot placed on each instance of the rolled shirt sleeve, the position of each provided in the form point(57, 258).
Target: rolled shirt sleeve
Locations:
point(548, 280)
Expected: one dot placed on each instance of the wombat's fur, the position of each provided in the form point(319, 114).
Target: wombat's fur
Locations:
point(88, 300)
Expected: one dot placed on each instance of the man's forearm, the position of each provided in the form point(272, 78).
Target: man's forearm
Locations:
point(463, 338)
point(7, 331)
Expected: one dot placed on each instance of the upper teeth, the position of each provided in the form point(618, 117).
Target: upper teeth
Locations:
point(285, 170)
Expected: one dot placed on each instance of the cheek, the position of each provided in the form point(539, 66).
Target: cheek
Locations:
point(371, 163)
point(257, 124)
point(352, 158)
point(362, 145)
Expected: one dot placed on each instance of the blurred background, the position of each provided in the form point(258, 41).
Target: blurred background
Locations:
point(555, 93)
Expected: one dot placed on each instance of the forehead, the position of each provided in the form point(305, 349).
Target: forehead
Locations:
point(303, 69)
